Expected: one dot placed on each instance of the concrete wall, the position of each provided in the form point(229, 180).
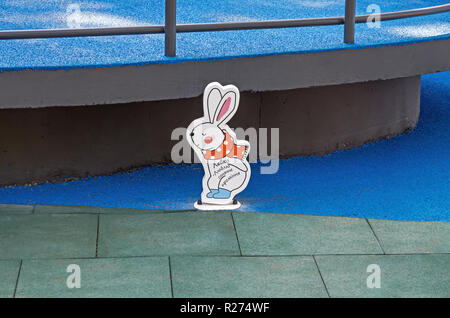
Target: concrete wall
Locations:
point(127, 84)
point(49, 144)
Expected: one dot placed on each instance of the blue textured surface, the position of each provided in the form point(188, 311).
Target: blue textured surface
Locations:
point(145, 49)
point(404, 178)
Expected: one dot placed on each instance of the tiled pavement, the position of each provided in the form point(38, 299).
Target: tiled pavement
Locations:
point(146, 253)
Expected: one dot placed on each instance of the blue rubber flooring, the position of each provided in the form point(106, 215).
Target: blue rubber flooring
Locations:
point(146, 49)
point(403, 178)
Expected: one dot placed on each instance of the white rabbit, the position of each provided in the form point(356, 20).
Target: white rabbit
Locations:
point(223, 156)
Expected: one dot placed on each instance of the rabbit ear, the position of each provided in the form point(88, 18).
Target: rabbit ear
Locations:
point(211, 99)
point(227, 107)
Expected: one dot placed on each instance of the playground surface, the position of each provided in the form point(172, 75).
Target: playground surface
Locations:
point(149, 49)
point(148, 253)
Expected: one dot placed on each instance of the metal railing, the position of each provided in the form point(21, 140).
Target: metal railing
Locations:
point(170, 28)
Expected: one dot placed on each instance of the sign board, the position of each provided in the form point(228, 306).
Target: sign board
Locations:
point(223, 156)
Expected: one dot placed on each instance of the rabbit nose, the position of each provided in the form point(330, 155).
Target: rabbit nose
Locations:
point(208, 140)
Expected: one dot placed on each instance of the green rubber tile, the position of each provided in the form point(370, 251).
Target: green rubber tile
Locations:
point(47, 236)
point(412, 237)
point(129, 277)
point(400, 275)
point(55, 209)
point(288, 234)
point(15, 209)
point(8, 276)
point(191, 233)
point(295, 276)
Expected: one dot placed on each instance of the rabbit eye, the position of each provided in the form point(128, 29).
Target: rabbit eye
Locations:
point(192, 134)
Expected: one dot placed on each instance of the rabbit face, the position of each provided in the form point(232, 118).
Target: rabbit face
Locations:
point(219, 105)
point(207, 136)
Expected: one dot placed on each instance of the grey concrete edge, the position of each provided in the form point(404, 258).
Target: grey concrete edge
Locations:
point(125, 84)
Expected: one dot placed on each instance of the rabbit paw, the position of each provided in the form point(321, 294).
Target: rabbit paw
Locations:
point(222, 194)
point(211, 193)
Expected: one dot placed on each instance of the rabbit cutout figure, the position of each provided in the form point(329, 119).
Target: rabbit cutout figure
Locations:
point(223, 156)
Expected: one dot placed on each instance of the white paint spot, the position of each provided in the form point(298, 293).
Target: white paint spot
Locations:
point(424, 30)
point(92, 19)
point(223, 17)
point(76, 16)
point(317, 4)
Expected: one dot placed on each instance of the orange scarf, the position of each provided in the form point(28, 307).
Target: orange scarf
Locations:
point(228, 148)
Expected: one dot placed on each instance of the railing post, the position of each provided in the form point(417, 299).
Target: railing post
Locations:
point(170, 28)
point(349, 27)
